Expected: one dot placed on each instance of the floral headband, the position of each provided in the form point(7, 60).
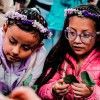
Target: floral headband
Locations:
point(34, 23)
point(80, 13)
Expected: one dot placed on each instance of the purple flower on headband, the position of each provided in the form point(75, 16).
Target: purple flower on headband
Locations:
point(23, 21)
point(93, 15)
point(27, 21)
point(80, 13)
point(86, 13)
point(18, 16)
point(48, 31)
point(97, 16)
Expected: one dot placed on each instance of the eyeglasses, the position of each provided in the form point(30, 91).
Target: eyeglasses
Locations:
point(84, 37)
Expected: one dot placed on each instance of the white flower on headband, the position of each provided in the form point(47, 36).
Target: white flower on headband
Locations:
point(35, 23)
point(39, 26)
point(50, 34)
point(43, 30)
point(35, 9)
point(69, 11)
point(9, 14)
point(80, 13)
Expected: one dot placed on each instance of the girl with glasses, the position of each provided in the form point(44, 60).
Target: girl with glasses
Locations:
point(77, 50)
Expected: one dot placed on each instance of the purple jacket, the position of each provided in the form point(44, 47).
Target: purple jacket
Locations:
point(91, 64)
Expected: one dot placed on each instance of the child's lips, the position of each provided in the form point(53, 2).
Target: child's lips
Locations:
point(77, 48)
point(13, 58)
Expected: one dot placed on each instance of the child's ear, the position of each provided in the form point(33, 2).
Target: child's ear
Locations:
point(40, 45)
point(4, 29)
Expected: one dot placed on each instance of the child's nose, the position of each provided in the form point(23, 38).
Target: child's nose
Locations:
point(78, 39)
point(16, 50)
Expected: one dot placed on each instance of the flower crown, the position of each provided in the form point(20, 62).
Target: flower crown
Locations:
point(80, 13)
point(34, 23)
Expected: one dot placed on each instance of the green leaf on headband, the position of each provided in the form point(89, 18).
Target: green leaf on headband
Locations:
point(70, 78)
point(34, 87)
point(87, 79)
point(27, 81)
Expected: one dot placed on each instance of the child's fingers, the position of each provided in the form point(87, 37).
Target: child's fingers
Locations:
point(64, 92)
point(79, 85)
point(60, 88)
point(77, 93)
point(61, 81)
point(75, 87)
point(76, 90)
point(81, 90)
point(59, 85)
point(82, 82)
point(61, 91)
point(77, 96)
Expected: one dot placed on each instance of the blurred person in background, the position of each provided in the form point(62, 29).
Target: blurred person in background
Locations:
point(93, 1)
point(43, 5)
point(98, 3)
point(6, 5)
point(19, 4)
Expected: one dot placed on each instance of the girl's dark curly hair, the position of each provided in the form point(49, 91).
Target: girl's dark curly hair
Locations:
point(58, 53)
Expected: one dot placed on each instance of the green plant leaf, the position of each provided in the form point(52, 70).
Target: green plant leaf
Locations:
point(87, 79)
point(27, 81)
point(34, 87)
point(70, 78)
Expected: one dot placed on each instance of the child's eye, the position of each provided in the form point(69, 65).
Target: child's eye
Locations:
point(26, 48)
point(12, 42)
point(72, 33)
point(86, 35)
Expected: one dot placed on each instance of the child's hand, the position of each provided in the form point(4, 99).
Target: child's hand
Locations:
point(24, 93)
point(81, 90)
point(60, 87)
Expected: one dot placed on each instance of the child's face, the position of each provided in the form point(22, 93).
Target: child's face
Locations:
point(17, 43)
point(82, 25)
